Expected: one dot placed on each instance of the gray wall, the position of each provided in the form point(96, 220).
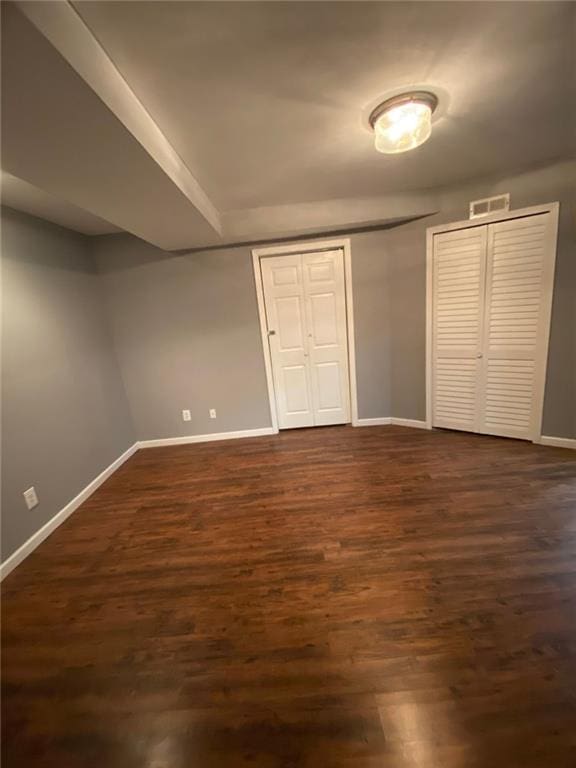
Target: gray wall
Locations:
point(188, 336)
point(372, 292)
point(406, 247)
point(64, 409)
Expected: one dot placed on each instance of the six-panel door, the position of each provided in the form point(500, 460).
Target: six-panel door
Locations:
point(306, 316)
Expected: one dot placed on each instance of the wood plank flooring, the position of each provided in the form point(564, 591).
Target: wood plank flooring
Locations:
point(326, 598)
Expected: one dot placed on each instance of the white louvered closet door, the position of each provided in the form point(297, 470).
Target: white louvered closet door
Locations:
point(458, 315)
point(492, 296)
point(519, 281)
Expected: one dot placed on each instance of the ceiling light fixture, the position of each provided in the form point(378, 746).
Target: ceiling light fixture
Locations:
point(403, 122)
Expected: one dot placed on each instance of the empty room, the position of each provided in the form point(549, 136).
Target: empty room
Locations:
point(288, 355)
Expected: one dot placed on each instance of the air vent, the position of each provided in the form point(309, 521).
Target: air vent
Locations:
point(489, 205)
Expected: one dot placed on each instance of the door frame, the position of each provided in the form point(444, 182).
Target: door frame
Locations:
point(312, 246)
point(542, 353)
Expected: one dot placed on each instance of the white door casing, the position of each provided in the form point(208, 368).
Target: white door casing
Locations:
point(304, 297)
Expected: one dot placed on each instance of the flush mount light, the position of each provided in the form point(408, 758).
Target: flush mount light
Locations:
point(403, 122)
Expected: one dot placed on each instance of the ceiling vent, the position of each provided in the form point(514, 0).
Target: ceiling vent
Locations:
point(489, 205)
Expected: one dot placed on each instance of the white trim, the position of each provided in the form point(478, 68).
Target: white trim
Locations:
point(207, 438)
point(391, 420)
point(384, 420)
point(350, 327)
point(493, 218)
point(548, 273)
point(307, 247)
point(264, 338)
point(429, 322)
point(559, 442)
point(37, 538)
point(551, 208)
point(413, 423)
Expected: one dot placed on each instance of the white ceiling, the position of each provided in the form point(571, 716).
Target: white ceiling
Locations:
point(261, 104)
point(264, 100)
point(59, 135)
point(22, 196)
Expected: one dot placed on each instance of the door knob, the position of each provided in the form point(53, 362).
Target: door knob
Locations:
point(271, 333)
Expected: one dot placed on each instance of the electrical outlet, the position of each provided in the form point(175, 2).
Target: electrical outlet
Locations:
point(186, 415)
point(212, 413)
point(31, 498)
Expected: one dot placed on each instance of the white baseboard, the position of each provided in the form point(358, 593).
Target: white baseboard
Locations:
point(373, 422)
point(414, 423)
point(559, 442)
point(556, 442)
point(206, 438)
point(37, 538)
point(384, 420)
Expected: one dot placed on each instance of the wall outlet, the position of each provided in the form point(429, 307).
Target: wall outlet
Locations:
point(212, 413)
point(31, 498)
point(186, 415)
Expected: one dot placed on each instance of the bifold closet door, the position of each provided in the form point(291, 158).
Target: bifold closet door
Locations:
point(305, 303)
point(459, 263)
point(519, 284)
point(492, 295)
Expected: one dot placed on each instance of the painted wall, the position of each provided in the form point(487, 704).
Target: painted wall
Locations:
point(372, 293)
point(64, 408)
point(188, 336)
point(406, 248)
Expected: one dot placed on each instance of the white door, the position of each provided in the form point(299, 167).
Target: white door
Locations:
point(492, 291)
point(325, 299)
point(519, 284)
point(288, 338)
point(306, 314)
point(458, 307)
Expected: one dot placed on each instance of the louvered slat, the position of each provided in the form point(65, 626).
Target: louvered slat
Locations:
point(459, 268)
point(515, 267)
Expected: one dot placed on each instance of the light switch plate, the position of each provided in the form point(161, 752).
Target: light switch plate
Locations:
point(31, 498)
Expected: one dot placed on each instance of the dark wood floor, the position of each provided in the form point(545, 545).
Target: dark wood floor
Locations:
point(328, 598)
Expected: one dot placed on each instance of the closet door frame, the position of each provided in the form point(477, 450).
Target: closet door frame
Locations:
point(315, 246)
point(553, 210)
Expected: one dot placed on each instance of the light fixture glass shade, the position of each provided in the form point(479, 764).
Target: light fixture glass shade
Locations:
point(403, 127)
